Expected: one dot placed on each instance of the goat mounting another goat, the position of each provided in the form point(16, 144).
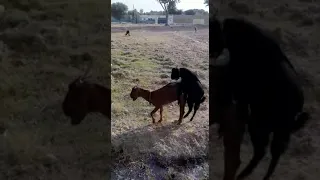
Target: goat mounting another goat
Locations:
point(160, 97)
point(84, 97)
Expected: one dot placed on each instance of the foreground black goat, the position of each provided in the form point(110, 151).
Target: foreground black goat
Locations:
point(265, 87)
point(191, 88)
point(84, 97)
point(160, 97)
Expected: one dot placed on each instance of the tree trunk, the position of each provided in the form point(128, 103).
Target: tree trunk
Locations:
point(167, 18)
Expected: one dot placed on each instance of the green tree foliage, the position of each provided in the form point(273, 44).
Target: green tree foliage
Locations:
point(118, 10)
point(165, 5)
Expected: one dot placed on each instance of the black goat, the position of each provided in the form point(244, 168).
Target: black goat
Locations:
point(127, 33)
point(264, 85)
point(191, 88)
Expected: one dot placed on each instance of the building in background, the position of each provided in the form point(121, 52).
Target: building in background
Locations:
point(161, 19)
point(155, 19)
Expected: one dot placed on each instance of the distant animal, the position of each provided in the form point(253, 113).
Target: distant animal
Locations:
point(191, 88)
point(265, 86)
point(195, 29)
point(127, 33)
point(160, 97)
point(84, 97)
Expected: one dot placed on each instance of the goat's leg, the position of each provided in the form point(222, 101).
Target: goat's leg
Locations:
point(182, 105)
point(259, 139)
point(152, 112)
point(234, 119)
point(190, 106)
point(195, 109)
point(179, 93)
point(161, 110)
point(279, 144)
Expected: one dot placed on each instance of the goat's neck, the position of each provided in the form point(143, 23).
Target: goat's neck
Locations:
point(146, 94)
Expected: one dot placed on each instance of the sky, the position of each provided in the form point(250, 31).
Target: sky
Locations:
point(148, 5)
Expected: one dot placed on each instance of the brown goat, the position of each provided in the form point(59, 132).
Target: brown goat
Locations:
point(160, 97)
point(84, 97)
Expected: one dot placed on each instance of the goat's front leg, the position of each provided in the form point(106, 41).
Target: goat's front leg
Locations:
point(182, 105)
point(161, 110)
point(152, 112)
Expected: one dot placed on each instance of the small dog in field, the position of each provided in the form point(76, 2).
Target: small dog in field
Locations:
point(127, 33)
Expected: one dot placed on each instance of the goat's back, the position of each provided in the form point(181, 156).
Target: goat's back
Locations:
point(99, 99)
point(167, 93)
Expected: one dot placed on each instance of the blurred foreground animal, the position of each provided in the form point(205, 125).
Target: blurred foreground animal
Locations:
point(127, 33)
point(265, 89)
point(84, 97)
point(160, 97)
point(191, 87)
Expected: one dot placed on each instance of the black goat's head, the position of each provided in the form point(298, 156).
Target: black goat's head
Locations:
point(175, 73)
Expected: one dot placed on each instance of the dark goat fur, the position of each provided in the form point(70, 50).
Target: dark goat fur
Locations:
point(264, 85)
point(84, 97)
point(191, 87)
point(127, 33)
point(160, 97)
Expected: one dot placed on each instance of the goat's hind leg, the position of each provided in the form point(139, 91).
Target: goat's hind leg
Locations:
point(161, 111)
point(259, 139)
point(152, 112)
point(279, 144)
point(195, 109)
point(190, 106)
point(182, 105)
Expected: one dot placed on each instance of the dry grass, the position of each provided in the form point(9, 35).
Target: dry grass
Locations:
point(296, 26)
point(142, 150)
point(41, 44)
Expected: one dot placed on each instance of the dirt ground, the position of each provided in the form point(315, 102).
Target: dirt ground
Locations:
point(44, 45)
point(140, 149)
point(295, 24)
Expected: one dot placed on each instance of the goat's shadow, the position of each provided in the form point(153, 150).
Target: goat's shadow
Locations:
point(147, 136)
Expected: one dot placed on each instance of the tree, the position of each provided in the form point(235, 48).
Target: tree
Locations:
point(172, 8)
point(190, 12)
point(141, 11)
point(165, 4)
point(179, 12)
point(206, 2)
point(118, 9)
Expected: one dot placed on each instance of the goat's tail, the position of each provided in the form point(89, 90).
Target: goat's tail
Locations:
point(202, 99)
point(301, 120)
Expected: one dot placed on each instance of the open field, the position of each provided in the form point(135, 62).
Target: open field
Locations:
point(155, 27)
point(44, 46)
point(296, 25)
point(142, 150)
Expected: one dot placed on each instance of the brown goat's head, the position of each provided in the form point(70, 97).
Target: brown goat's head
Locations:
point(134, 93)
point(75, 104)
